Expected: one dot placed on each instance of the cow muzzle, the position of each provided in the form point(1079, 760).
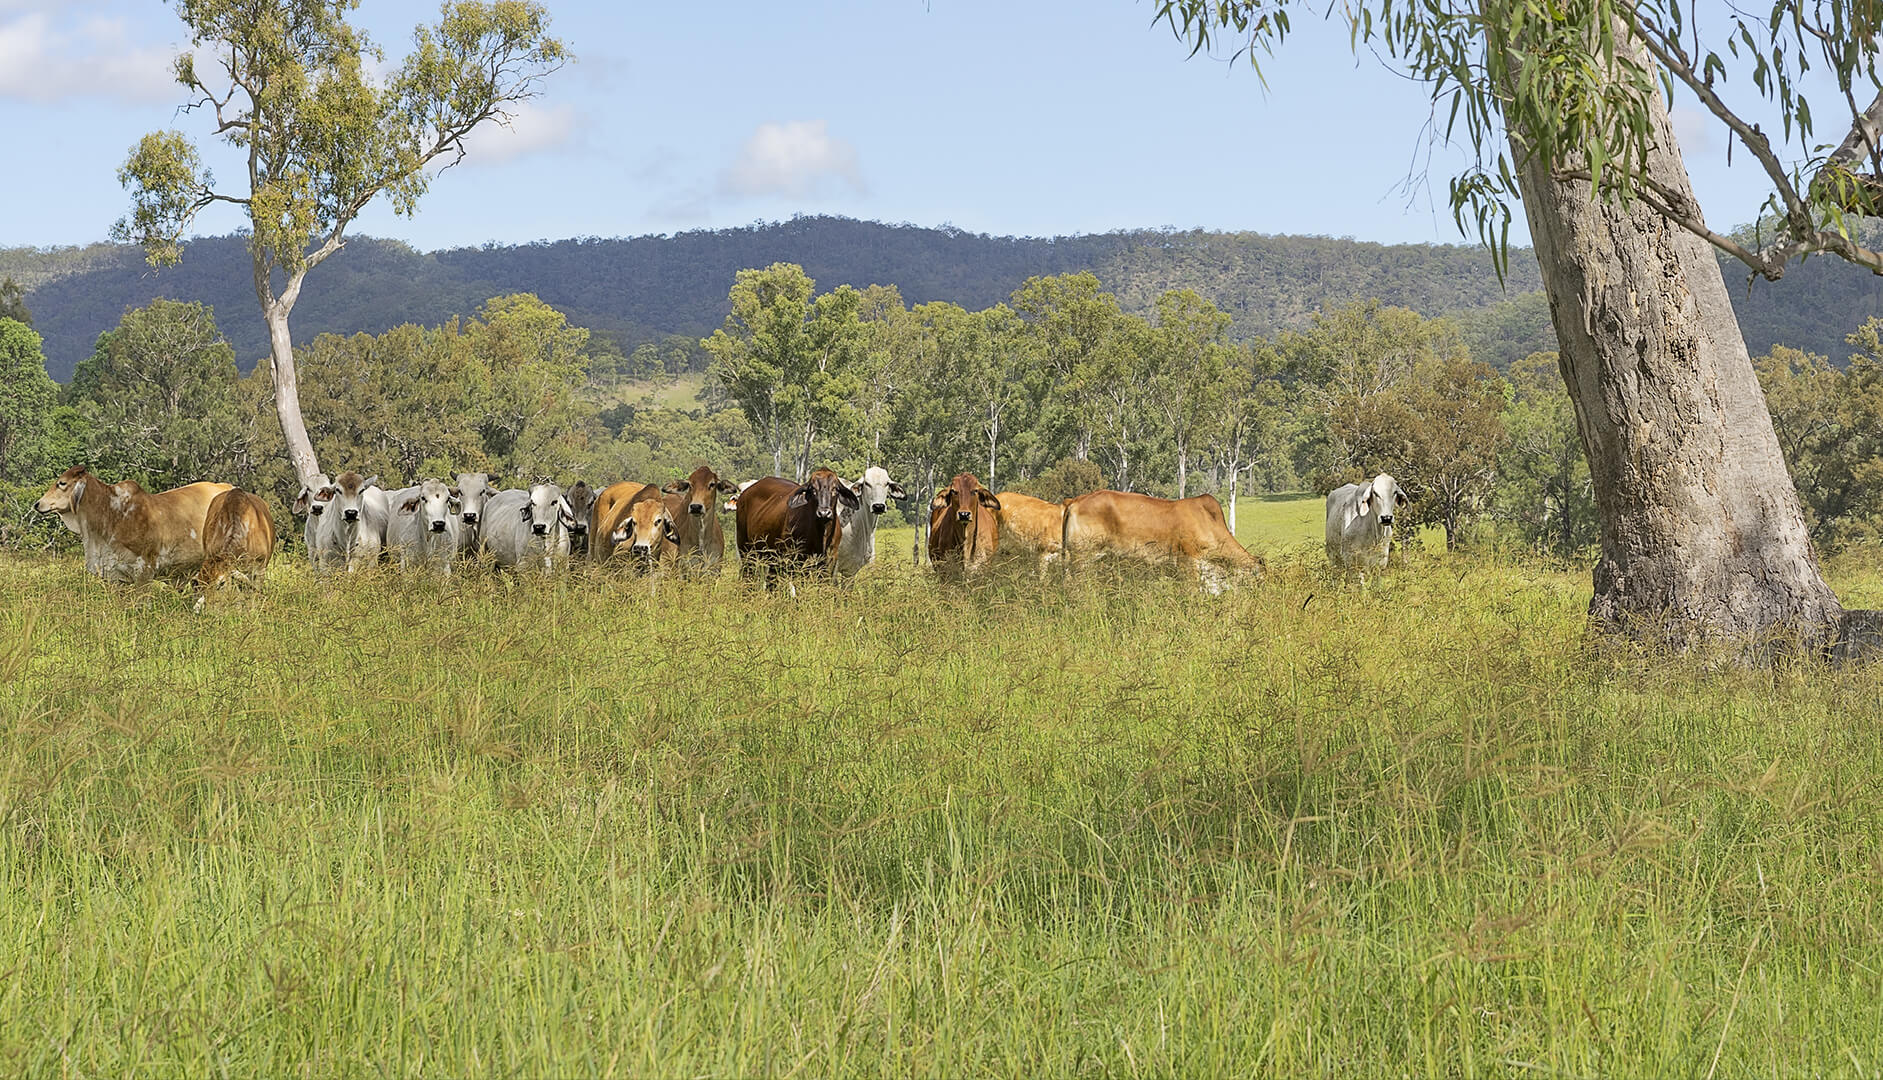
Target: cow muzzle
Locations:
point(317, 509)
point(964, 516)
point(438, 526)
point(1386, 521)
point(350, 515)
point(696, 509)
point(540, 529)
point(879, 508)
point(470, 519)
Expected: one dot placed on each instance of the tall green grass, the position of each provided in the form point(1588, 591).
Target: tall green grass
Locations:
point(597, 826)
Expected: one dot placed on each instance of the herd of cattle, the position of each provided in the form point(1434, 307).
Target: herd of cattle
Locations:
point(782, 527)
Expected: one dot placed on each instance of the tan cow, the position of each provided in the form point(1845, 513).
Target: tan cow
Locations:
point(1031, 526)
point(132, 535)
point(963, 532)
point(645, 528)
point(238, 536)
point(606, 516)
point(1181, 532)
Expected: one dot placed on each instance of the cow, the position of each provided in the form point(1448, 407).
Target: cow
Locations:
point(472, 489)
point(1182, 532)
point(309, 505)
point(963, 531)
point(606, 515)
point(581, 500)
point(702, 538)
point(783, 526)
point(1360, 523)
point(238, 536)
point(353, 520)
point(646, 527)
point(731, 505)
point(521, 526)
point(857, 547)
point(424, 525)
point(1031, 526)
point(131, 535)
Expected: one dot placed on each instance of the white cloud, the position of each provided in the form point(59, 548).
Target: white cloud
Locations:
point(799, 159)
point(46, 61)
point(531, 129)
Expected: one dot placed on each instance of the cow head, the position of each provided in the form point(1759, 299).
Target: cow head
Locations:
point(346, 494)
point(731, 505)
point(472, 490)
point(311, 500)
point(876, 489)
point(701, 489)
point(433, 505)
point(963, 498)
point(646, 528)
point(546, 509)
point(63, 495)
point(580, 501)
point(826, 492)
point(1382, 495)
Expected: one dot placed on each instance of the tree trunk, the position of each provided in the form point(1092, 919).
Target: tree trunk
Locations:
point(288, 394)
point(1183, 469)
point(993, 443)
point(1703, 538)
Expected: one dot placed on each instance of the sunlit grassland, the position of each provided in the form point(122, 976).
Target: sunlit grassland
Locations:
point(376, 825)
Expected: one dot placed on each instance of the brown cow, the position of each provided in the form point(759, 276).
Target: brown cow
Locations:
point(645, 527)
point(238, 533)
point(606, 516)
point(702, 537)
point(1182, 532)
point(1031, 526)
point(131, 535)
point(581, 499)
point(784, 526)
point(963, 530)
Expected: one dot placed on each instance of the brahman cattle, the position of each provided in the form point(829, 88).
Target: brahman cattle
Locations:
point(527, 526)
point(131, 535)
point(581, 500)
point(606, 516)
point(1182, 532)
point(353, 515)
point(309, 505)
point(857, 547)
point(238, 536)
point(963, 531)
point(424, 526)
point(701, 537)
point(472, 490)
point(1360, 523)
point(645, 528)
point(784, 526)
point(1031, 526)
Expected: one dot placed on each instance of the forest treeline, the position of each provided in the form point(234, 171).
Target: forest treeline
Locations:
point(628, 292)
point(1055, 389)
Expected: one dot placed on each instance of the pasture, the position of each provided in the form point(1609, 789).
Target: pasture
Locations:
point(386, 825)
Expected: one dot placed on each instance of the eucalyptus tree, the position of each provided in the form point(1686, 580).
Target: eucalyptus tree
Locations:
point(27, 398)
point(287, 84)
point(1702, 533)
point(1193, 377)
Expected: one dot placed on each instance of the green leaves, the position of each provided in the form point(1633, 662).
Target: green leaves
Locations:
point(168, 186)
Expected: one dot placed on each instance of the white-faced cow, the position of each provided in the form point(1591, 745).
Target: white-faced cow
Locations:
point(473, 490)
point(1360, 523)
point(528, 527)
point(309, 505)
point(424, 526)
point(132, 535)
point(353, 521)
point(856, 549)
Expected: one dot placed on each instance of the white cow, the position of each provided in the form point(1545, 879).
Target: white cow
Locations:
point(856, 548)
point(424, 526)
point(524, 525)
point(731, 505)
point(1360, 522)
point(352, 523)
point(472, 490)
point(310, 504)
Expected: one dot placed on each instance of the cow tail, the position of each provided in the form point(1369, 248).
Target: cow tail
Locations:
point(1065, 534)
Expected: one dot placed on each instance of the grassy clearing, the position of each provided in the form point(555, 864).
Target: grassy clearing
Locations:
point(600, 827)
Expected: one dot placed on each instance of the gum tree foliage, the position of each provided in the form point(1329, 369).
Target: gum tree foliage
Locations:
point(13, 302)
point(1543, 488)
point(286, 84)
point(1703, 537)
point(27, 399)
point(1830, 421)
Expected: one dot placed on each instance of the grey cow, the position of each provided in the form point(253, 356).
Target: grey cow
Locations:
point(473, 490)
point(424, 525)
point(1360, 523)
point(856, 548)
point(352, 523)
point(525, 526)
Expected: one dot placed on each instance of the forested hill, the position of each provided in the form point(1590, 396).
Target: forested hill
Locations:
point(648, 287)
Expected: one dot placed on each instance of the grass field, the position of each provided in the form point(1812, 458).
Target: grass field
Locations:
point(382, 826)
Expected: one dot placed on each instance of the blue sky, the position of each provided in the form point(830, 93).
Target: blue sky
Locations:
point(1023, 117)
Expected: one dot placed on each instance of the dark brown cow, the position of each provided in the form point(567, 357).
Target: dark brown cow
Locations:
point(702, 537)
point(606, 516)
point(238, 536)
point(963, 527)
point(581, 499)
point(785, 526)
point(1183, 532)
point(131, 535)
point(643, 529)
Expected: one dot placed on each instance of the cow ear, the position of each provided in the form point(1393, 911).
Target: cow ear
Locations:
point(896, 492)
point(798, 498)
point(941, 498)
point(988, 500)
point(1365, 494)
point(301, 501)
point(849, 498)
point(410, 507)
point(726, 487)
point(371, 481)
point(678, 487)
point(1399, 496)
point(490, 479)
point(326, 493)
point(525, 512)
point(857, 489)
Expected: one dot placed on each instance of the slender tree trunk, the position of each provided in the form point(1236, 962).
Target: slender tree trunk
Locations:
point(993, 443)
point(288, 393)
point(1702, 534)
point(1183, 468)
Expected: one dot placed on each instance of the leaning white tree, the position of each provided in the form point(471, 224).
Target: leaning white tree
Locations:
point(286, 84)
point(1702, 535)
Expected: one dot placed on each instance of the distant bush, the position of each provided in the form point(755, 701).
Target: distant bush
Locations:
point(1068, 479)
